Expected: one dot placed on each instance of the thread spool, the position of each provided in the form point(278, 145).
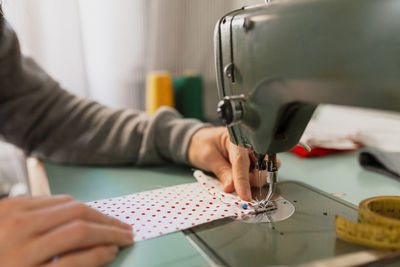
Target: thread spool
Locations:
point(188, 92)
point(159, 91)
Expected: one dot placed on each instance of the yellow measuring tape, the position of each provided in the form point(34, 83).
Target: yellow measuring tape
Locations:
point(378, 223)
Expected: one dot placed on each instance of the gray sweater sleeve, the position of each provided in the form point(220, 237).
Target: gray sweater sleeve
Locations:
point(49, 123)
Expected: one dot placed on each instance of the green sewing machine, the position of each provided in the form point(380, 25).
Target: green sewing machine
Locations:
point(275, 63)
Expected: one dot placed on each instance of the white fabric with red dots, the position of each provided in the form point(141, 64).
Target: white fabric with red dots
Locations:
point(166, 210)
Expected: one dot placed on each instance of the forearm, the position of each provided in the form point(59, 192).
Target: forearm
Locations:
point(48, 122)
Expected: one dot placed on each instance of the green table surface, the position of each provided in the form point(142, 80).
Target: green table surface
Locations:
point(339, 173)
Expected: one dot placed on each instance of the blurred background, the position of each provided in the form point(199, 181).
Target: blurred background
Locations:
point(104, 50)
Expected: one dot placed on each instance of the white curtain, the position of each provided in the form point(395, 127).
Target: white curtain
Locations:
point(103, 49)
point(49, 31)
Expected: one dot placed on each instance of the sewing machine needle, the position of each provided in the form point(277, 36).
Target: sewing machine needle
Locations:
point(260, 180)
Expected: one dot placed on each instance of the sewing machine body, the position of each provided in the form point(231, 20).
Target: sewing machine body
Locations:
point(276, 62)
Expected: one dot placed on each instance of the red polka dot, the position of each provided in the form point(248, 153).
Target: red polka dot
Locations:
point(127, 217)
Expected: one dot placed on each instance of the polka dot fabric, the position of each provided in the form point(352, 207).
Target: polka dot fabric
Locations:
point(166, 210)
point(215, 188)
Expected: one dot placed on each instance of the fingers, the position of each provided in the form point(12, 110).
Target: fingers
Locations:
point(51, 217)
point(97, 256)
point(222, 169)
point(75, 236)
point(17, 204)
point(239, 158)
point(47, 201)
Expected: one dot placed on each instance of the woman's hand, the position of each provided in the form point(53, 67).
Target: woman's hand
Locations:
point(211, 150)
point(58, 231)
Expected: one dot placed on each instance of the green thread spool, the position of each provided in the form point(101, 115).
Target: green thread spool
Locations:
point(188, 93)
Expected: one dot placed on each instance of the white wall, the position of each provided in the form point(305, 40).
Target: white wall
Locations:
point(49, 31)
point(103, 49)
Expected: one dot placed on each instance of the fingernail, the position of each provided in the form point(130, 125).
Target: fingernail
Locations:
point(113, 249)
point(129, 235)
point(227, 181)
point(127, 226)
point(248, 196)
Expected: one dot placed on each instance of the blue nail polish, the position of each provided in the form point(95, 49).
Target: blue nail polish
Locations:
point(244, 206)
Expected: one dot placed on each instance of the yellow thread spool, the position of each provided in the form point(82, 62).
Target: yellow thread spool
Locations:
point(159, 91)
